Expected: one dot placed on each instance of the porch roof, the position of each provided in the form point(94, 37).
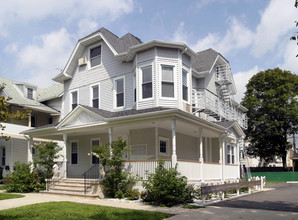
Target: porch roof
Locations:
point(85, 117)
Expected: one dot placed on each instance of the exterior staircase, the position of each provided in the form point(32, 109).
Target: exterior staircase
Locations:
point(74, 187)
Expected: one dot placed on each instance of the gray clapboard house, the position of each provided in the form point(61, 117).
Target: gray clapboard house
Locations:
point(163, 98)
point(44, 106)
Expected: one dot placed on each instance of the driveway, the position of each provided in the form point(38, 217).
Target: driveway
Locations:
point(280, 203)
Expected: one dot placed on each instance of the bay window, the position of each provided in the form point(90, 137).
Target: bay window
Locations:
point(184, 85)
point(119, 92)
point(147, 82)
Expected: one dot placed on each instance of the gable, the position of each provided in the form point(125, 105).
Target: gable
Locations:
point(79, 117)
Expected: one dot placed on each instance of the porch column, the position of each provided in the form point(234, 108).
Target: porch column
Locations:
point(201, 152)
point(64, 152)
point(29, 155)
point(220, 156)
point(156, 142)
point(174, 155)
point(110, 137)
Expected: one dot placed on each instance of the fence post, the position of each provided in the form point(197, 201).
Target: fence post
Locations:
point(249, 188)
point(222, 195)
point(262, 183)
point(238, 190)
point(257, 186)
point(203, 196)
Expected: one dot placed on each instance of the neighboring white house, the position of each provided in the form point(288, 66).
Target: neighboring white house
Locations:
point(163, 98)
point(44, 105)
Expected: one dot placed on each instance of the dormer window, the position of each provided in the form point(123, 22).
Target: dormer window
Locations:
point(95, 56)
point(29, 93)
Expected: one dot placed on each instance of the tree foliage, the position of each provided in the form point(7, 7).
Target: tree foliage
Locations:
point(6, 114)
point(46, 155)
point(271, 100)
point(116, 182)
point(295, 37)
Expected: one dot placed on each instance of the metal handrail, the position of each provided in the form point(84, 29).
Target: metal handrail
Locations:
point(90, 175)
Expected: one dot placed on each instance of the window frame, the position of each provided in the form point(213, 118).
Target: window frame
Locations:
point(71, 152)
point(32, 93)
point(187, 85)
point(141, 82)
point(71, 99)
point(174, 81)
point(167, 140)
point(89, 55)
point(3, 158)
point(91, 144)
point(92, 95)
point(115, 92)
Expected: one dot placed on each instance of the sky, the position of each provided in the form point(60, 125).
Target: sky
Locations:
point(37, 37)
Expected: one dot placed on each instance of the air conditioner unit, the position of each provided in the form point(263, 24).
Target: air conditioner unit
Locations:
point(82, 61)
point(186, 107)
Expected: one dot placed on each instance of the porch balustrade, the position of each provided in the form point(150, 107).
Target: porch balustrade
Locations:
point(223, 74)
point(205, 101)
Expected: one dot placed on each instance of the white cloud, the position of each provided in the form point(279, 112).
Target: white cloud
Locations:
point(86, 26)
point(11, 48)
point(40, 59)
point(16, 12)
point(236, 37)
point(290, 59)
point(241, 79)
point(180, 35)
point(276, 21)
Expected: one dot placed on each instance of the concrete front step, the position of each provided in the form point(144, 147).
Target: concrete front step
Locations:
point(67, 189)
point(94, 196)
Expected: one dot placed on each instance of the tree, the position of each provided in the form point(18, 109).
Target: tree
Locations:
point(6, 114)
point(116, 181)
point(271, 100)
point(46, 155)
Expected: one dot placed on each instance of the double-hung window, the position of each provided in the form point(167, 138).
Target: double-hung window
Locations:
point(233, 154)
point(167, 81)
point(74, 152)
point(74, 99)
point(228, 154)
point(95, 142)
point(146, 82)
point(30, 93)
point(119, 90)
point(95, 56)
point(3, 156)
point(163, 145)
point(185, 85)
point(95, 96)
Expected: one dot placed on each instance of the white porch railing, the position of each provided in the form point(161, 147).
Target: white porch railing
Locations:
point(139, 167)
point(205, 100)
point(231, 171)
point(211, 171)
point(190, 169)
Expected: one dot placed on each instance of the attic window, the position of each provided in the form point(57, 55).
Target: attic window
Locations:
point(30, 93)
point(95, 56)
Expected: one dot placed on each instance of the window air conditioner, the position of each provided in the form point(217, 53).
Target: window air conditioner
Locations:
point(82, 61)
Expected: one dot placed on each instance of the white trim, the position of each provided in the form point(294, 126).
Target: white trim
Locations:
point(115, 93)
point(91, 140)
point(74, 141)
point(91, 94)
point(70, 97)
point(174, 81)
point(141, 82)
point(167, 140)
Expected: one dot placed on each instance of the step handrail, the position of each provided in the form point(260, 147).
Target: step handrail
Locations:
point(91, 174)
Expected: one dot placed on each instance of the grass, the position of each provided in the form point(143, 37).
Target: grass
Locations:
point(9, 196)
point(69, 210)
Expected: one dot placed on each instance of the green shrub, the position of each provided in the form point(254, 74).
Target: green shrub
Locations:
point(22, 180)
point(132, 194)
point(116, 181)
point(166, 187)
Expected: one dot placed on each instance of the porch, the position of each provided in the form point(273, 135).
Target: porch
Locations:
point(202, 150)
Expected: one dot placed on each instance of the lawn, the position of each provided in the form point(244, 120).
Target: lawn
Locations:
point(69, 210)
point(9, 196)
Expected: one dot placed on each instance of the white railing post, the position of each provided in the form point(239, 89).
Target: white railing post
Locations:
point(249, 188)
point(203, 196)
